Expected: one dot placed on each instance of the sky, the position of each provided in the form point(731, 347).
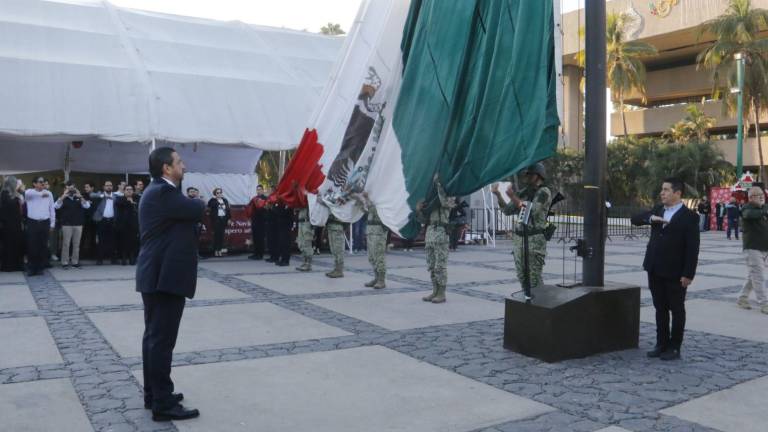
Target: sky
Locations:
point(294, 14)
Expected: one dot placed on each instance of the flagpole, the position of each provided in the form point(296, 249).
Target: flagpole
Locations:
point(595, 143)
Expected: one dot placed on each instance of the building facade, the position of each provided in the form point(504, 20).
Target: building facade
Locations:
point(673, 79)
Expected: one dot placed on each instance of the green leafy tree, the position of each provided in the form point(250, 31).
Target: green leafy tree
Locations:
point(332, 29)
point(738, 31)
point(624, 66)
point(626, 70)
point(565, 171)
point(268, 168)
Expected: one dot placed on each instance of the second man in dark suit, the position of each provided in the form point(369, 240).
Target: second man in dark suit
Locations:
point(670, 260)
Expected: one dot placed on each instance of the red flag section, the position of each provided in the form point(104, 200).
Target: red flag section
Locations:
point(303, 174)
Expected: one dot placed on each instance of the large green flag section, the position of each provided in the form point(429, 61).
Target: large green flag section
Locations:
point(477, 100)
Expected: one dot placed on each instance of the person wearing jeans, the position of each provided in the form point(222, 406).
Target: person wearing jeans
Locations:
point(755, 241)
point(71, 206)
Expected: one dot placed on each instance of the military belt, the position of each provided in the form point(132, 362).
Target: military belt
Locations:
point(533, 231)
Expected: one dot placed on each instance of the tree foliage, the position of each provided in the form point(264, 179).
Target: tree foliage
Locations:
point(332, 29)
point(636, 166)
point(737, 31)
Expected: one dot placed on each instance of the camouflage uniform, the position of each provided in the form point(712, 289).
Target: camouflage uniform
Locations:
point(376, 237)
point(537, 244)
point(436, 246)
point(336, 240)
point(304, 239)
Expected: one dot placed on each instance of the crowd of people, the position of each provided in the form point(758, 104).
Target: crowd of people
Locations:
point(724, 211)
point(39, 227)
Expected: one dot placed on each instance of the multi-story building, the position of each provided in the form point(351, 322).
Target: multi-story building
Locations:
point(673, 78)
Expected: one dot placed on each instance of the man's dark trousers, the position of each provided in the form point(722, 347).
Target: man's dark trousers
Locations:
point(668, 297)
point(37, 244)
point(257, 235)
point(733, 224)
point(162, 315)
point(107, 239)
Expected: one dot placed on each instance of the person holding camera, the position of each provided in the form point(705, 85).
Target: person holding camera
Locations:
point(71, 206)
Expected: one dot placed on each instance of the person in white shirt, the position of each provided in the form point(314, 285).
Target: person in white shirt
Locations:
point(41, 220)
point(219, 214)
point(104, 216)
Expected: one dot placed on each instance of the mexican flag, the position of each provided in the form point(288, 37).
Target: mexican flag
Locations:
point(464, 89)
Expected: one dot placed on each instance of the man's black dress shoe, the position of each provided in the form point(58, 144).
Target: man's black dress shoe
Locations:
point(177, 412)
point(282, 263)
point(269, 260)
point(670, 354)
point(655, 352)
point(178, 397)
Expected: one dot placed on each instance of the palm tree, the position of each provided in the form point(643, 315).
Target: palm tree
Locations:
point(625, 69)
point(737, 31)
point(694, 127)
point(332, 29)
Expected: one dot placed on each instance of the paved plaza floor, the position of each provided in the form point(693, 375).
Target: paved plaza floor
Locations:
point(265, 348)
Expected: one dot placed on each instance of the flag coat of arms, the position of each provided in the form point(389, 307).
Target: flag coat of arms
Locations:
point(464, 89)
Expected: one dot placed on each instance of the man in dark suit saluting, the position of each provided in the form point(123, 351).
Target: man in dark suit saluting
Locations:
point(166, 273)
point(670, 260)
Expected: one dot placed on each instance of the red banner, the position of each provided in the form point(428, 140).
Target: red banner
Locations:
point(237, 235)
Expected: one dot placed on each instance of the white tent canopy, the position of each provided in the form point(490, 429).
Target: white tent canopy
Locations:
point(87, 70)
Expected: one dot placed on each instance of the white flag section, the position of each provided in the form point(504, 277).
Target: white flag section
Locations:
point(354, 119)
point(356, 107)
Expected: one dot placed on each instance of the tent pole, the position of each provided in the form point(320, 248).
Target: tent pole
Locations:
point(152, 145)
point(67, 161)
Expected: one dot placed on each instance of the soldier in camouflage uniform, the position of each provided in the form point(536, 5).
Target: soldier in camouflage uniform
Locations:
point(304, 239)
point(436, 242)
point(376, 238)
point(336, 241)
point(540, 196)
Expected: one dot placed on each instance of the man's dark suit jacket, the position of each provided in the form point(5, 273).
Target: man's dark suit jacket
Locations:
point(673, 250)
point(168, 258)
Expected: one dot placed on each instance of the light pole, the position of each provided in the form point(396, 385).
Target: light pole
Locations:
point(740, 115)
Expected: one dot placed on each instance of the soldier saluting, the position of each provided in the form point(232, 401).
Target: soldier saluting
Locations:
point(539, 197)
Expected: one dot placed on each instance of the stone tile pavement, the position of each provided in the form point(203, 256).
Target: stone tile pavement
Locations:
point(264, 348)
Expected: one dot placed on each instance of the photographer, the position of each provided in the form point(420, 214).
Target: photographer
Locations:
point(71, 206)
